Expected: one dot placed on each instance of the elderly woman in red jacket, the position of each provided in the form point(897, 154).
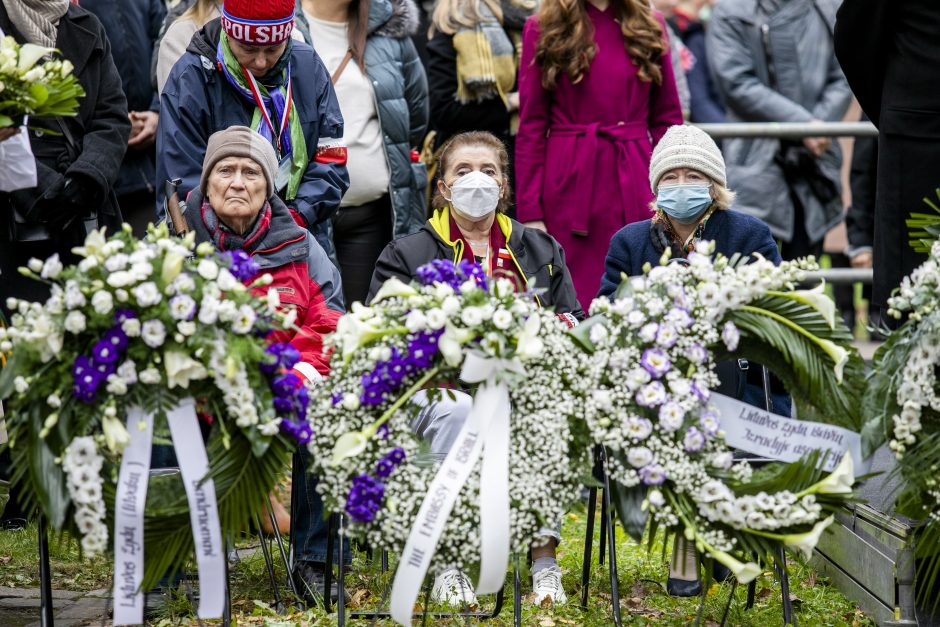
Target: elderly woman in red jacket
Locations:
point(236, 209)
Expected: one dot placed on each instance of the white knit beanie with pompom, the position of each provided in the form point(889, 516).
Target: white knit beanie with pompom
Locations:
point(687, 147)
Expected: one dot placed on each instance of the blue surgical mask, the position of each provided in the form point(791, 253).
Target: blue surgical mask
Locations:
point(684, 203)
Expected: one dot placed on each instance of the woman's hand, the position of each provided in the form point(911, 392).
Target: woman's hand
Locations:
point(512, 101)
point(538, 225)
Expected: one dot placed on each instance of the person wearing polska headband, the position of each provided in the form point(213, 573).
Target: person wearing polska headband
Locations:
point(244, 69)
point(469, 224)
point(692, 204)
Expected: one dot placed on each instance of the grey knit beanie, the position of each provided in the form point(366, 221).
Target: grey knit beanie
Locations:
point(687, 147)
point(239, 141)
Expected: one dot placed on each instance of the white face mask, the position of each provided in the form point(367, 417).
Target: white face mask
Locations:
point(474, 195)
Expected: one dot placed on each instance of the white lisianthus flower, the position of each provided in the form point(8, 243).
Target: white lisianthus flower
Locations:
point(226, 280)
point(20, 385)
point(181, 369)
point(187, 328)
point(147, 294)
point(131, 327)
point(74, 322)
point(450, 306)
point(52, 268)
point(639, 456)
point(471, 316)
point(436, 319)
point(208, 310)
point(128, 372)
point(245, 320)
point(102, 302)
point(116, 385)
point(121, 278)
point(208, 269)
point(271, 428)
point(116, 262)
point(502, 319)
point(74, 299)
point(415, 321)
point(150, 376)
point(153, 333)
point(228, 311)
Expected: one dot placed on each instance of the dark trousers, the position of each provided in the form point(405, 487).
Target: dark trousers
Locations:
point(360, 234)
point(800, 244)
point(137, 210)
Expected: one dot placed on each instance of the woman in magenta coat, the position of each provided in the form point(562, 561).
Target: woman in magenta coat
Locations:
point(596, 92)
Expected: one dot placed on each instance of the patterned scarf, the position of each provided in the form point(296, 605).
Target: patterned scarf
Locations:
point(486, 64)
point(37, 20)
point(277, 100)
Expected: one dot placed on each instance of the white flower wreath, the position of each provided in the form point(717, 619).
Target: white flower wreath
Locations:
point(370, 463)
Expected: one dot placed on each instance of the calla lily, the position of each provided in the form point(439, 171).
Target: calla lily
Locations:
point(839, 481)
point(348, 445)
point(744, 572)
point(530, 345)
point(393, 287)
point(30, 54)
point(181, 369)
point(818, 300)
point(839, 356)
point(115, 434)
point(172, 266)
point(804, 543)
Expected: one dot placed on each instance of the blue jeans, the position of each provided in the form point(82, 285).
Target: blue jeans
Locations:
point(310, 521)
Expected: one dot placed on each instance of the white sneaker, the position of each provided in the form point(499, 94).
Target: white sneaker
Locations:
point(546, 584)
point(452, 587)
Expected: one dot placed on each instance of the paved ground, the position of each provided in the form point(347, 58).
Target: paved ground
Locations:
point(19, 607)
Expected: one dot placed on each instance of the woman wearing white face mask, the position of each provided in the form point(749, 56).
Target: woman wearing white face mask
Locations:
point(469, 224)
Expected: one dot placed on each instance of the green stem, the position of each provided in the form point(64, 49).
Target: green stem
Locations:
point(420, 383)
point(788, 323)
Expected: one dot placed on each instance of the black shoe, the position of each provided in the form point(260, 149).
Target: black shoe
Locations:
point(13, 524)
point(310, 579)
point(683, 587)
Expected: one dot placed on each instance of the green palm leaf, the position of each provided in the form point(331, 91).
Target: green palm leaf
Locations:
point(925, 227)
point(805, 368)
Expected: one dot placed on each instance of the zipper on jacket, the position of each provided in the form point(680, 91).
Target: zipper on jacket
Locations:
point(388, 164)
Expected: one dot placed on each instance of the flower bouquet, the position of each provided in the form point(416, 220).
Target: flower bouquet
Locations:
point(28, 87)
point(405, 352)
point(903, 403)
point(648, 383)
point(135, 328)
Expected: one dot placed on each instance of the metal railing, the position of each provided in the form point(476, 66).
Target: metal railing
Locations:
point(790, 130)
point(799, 130)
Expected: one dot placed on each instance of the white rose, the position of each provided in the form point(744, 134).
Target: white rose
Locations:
point(74, 322)
point(102, 302)
point(436, 319)
point(207, 269)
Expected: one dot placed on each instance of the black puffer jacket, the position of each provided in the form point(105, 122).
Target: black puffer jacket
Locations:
point(537, 255)
point(100, 129)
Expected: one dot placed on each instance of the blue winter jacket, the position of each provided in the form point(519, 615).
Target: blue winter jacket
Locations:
point(198, 101)
point(401, 99)
point(732, 231)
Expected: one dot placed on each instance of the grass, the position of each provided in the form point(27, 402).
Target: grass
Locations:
point(642, 597)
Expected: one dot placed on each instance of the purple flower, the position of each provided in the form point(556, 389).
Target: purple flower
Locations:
point(710, 423)
point(694, 440)
point(730, 336)
point(337, 397)
point(81, 365)
point(105, 369)
point(384, 467)
point(124, 314)
point(697, 353)
point(422, 348)
point(365, 498)
point(653, 474)
point(396, 455)
point(86, 378)
point(285, 384)
point(472, 270)
point(383, 431)
point(241, 265)
point(655, 362)
point(283, 405)
point(104, 353)
point(702, 394)
point(300, 431)
point(279, 355)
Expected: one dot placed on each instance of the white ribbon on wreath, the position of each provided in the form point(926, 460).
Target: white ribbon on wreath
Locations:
point(486, 431)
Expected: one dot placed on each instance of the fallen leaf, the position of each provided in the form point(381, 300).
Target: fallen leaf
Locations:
point(632, 603)
point(5, 559)
point(546, 622)
point(545, 603)
point(810, 580)
point(639, 590)
point(358, 597)
point(764, 593)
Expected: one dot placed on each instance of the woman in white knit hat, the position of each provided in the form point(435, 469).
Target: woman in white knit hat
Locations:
point(687, 175)
point(693, 204)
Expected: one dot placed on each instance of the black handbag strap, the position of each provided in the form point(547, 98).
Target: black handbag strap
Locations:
point(70, 144)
